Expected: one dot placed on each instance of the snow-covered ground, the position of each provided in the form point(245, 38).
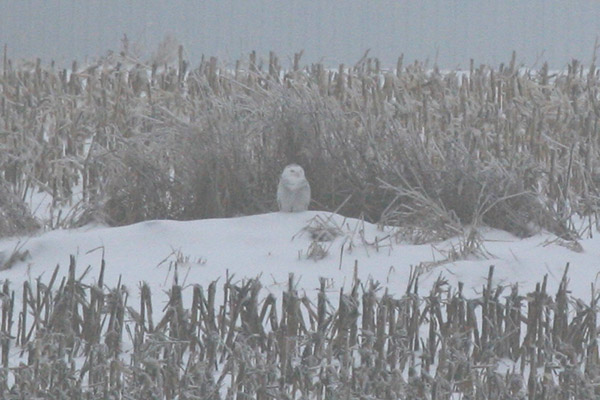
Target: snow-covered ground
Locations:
point(274, 245)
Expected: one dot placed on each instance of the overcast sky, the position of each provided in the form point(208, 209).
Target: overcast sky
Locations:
point(448, 32)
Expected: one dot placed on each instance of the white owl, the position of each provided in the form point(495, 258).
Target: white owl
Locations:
point(293, 192)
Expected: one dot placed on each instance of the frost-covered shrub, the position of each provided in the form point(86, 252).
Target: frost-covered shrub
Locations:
point(456, 188)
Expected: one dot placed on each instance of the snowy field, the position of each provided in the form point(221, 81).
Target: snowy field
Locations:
point(272, 246)
point(336, 317)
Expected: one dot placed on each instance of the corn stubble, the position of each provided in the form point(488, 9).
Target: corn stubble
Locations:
point(429, 151)
point(77, 340)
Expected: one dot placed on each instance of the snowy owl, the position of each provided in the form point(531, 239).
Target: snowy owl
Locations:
point(293, 192)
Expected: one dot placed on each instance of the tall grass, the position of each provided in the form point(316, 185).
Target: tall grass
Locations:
point(510, 147)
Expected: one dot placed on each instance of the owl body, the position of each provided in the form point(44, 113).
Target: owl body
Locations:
point(293, 192)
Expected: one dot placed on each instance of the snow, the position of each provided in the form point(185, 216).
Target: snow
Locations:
point(274, 245)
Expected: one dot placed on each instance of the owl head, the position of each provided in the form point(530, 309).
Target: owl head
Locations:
point(293, 172)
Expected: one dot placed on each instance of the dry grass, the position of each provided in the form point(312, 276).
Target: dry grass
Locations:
point(15, 217)
point(512, 148)
point(71, 338)
point(436, 154)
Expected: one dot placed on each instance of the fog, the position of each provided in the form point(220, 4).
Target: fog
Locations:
point(446, 32)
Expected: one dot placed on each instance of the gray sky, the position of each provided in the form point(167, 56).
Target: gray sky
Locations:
point(447, 31)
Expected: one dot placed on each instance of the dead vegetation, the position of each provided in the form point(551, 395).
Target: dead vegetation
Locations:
point(126, 141)
point(15, 217)
point(436, 154)
point(70, 339)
